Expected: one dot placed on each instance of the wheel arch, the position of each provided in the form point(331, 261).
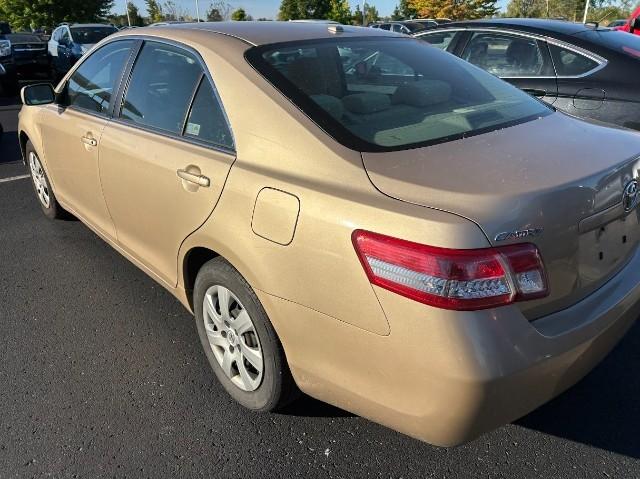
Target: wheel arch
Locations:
point(193, 260)
point(23, 138)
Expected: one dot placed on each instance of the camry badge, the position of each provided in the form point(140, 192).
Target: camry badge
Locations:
point(518, 234)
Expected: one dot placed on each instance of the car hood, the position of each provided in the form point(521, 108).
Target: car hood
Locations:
point(549, 179)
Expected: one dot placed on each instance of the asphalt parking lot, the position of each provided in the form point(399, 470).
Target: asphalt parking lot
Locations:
point(102, 374)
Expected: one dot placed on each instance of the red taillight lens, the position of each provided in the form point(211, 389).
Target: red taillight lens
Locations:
point(460, 279)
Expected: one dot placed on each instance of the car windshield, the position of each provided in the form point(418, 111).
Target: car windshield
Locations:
point(90, 35)
point(616, 40)
point(384, 94)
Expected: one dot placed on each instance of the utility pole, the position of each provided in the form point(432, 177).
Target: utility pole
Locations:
point(364, 9)
point(197, 11)
point(586, 11)
point(128, 16)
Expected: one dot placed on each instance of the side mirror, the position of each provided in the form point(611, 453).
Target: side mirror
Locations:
point(39, 94)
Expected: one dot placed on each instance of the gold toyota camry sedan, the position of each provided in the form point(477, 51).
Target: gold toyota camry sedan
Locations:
point(351, 213)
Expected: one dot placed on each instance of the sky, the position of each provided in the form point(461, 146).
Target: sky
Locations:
point(259, 8)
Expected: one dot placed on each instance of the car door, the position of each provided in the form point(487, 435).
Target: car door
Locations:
point(53, 43)
point(579, 92)
point(73, 129)
point(521, 60)
point(65, 54)
point(165, 159)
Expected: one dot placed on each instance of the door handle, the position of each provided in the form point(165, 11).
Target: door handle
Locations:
point(87, 140)
point(534, 91)
point(199, 180)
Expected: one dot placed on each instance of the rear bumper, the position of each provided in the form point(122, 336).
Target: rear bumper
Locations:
point(446, 377)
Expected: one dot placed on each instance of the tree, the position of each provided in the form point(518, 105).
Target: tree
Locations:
point(371, 14)
point(526, 8)
point(25, 14)
point(340, 11)
point(214, 15)
point(304, 9)
point(154, 10)
point(456, 9)
point(174, 12)
point(239, 15)
point(406, 10)
point(219, 11)
point(122, 20)
point(397, 15)
point(134, 15)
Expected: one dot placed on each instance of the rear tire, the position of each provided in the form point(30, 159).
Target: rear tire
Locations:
point(239, 341)
point(42, 186)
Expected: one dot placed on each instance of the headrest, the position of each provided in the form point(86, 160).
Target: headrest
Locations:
point(366, 102)
point(330, 104)
point(423, 93)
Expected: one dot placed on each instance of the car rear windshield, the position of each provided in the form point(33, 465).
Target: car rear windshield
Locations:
point(615, 40)
point(385, 94)
point(90, 35)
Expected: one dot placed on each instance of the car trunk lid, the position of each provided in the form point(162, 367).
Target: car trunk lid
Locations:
point(556, 182)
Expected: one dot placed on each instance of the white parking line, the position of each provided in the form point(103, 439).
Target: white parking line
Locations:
point(13, 178)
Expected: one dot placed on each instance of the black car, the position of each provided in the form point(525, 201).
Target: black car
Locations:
point(29, 56)
point(582, 69)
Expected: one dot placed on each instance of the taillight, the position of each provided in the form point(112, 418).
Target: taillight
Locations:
point(460, 279)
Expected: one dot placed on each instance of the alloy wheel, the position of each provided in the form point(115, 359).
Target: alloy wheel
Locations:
point(233, 338)
point(39, 180)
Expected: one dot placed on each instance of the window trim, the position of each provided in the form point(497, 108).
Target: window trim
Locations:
point(602, 62)
point(139, 40)
point(112, 101)
point(124, 84)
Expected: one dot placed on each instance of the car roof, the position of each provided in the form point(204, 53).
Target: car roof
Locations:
point(529, 24)
point(90, 25)
point(263, 33)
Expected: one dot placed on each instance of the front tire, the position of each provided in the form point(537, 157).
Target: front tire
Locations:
point(239, 341)
point(42, 186)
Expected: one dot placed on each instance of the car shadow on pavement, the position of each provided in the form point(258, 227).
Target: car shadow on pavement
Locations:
point(306, 406)
point(603, 410)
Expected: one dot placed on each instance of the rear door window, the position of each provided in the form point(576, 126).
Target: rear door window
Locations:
point(162, 84)
point(92, 85)
point(445, 40)
point(505, 55)
point(207, 121)
point(569, 63)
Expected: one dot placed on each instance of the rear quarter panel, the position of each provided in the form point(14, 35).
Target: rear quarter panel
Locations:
point(279, 147)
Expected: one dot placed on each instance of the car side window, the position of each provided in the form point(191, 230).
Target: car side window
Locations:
point(65, 38)
point(92, 85)
point(441, 40)
point(207, 121)
point(570, 63)
point(505, 55)
point(162, 83)
point(55, 35)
